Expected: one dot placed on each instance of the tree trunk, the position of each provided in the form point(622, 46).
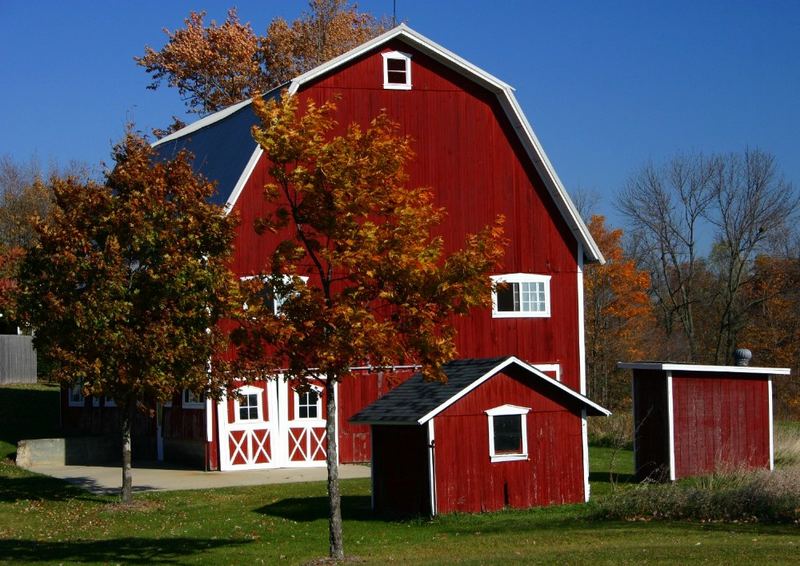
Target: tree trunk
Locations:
point(334, 497)
point(126, 424)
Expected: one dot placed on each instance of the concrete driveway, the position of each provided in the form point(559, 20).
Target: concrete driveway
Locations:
point(154, 477)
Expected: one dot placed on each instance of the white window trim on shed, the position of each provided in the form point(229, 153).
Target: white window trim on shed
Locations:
point(506, 411)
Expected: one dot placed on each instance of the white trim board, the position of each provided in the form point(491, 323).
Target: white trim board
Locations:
point(669, 366)
point(505, 96)
point(670, 427)
point(497, 369)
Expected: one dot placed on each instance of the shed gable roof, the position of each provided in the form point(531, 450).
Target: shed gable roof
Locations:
point(416, 401)
point(504, 93)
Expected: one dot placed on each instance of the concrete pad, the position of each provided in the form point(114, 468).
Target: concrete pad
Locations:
point(154, 477)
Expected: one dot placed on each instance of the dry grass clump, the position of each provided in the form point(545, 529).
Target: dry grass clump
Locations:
point(615, 431)
point(787, 444)
point(754, 496)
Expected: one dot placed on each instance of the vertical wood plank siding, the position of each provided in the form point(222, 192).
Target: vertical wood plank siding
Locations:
point(467, 480)
point(17, 359)
point(721, 422)
point(469, 154)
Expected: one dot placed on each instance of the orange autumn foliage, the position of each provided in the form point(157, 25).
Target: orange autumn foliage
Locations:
point(618, 315)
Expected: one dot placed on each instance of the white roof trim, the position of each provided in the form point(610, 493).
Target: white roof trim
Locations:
point(509, 103)
point(666, 366)
point(243, 178)
point(504, 92)
point(497, 369)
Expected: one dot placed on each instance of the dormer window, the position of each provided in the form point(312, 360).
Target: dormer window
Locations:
point(396, 70)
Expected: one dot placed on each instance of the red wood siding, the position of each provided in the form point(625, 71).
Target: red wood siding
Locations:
point(356, 392)
point(721, 421)
point(400, 470)
point(467, 480)
point(651, 425)
point(468, 153)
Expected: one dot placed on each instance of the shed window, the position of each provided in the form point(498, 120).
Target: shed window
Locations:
point(397, 70)
point(508, 433)
point(520, 295)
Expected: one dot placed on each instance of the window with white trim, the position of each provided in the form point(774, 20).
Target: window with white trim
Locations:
point(75, 395)
point(520, 295)
point(396, 70)
point(508, 433)
point(272, 300)
point(192, 400)
point(308, 404)
point(248, 404)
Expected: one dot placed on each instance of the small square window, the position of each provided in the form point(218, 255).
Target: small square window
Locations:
point(396, 70)
point(249, 404)
point(192, 400)
point(521, 295)
point(75, 394)
point(308, 404)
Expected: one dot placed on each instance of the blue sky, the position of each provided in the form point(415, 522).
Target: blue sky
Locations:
point(608, 86)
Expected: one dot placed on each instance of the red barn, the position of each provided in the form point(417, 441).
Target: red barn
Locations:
point(499, 433)
point(477, 151)
point(693, 420)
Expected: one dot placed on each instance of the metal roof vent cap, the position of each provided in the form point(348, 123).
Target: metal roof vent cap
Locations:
point(742, 356)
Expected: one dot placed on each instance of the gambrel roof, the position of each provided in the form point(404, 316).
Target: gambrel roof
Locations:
point(238, 153)
point(416, 401)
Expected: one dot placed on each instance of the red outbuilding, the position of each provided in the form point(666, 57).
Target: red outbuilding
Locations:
point(499, 433)
point(692, 420)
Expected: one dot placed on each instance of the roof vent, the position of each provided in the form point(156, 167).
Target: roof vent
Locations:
point(742, 356)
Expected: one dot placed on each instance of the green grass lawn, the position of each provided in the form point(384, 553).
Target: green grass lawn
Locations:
point(43, 520)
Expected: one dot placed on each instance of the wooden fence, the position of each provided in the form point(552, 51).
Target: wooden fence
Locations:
point(17, 359)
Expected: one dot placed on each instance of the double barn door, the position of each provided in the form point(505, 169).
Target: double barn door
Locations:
point(272, 425)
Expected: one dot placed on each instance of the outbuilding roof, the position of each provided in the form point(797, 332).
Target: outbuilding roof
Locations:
point(227, 154)
point(697, 368)
point(416, 401)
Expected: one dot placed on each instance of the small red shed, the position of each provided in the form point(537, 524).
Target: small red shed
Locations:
point(693, 420)
point(499, 433)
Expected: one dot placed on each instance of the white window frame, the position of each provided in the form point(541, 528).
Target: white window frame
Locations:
point(249, 390)
point(276, 304)
point(522, 278)
point(76, 400)
point(297, 417)
point(190, 400)
point(396, 56)
point(506, 411)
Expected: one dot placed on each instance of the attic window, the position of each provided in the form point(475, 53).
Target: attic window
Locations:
point(508, 433)
point(396, 70)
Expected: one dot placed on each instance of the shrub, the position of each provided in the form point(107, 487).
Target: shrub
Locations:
point(756, 496)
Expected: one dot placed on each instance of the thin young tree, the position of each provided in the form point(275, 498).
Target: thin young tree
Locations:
point(126, 283)
point(380, 289)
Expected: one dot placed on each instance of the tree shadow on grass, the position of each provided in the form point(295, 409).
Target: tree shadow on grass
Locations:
point(307, 509)
point(125, 550)
point(38, 488)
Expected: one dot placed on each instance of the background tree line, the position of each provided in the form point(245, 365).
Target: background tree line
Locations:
point(711, 242)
